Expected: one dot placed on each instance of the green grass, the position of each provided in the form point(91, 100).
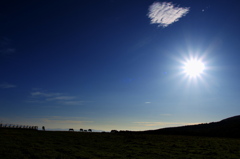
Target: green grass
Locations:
point(38, 144)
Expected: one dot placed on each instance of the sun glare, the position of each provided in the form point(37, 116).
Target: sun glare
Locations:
point(194, 67)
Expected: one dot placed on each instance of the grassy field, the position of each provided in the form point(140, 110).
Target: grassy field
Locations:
point(16, 143)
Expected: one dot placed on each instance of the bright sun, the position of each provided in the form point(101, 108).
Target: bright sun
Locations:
point(194, 67)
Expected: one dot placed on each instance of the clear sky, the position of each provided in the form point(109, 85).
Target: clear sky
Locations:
point(118, 64)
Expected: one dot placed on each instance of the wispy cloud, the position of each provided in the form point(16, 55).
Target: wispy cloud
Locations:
point(45, 94)
point(7, 85)
point(5, 47)
point(58, 98)
point(7, 51)
point(166, 13)
point(61, 98)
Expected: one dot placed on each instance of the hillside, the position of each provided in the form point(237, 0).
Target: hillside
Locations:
point(229, 127)
point(28, 144)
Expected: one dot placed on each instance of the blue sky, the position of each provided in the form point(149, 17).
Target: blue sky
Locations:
point(117, 64)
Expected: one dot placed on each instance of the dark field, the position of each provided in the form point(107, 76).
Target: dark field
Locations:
point(17, 143)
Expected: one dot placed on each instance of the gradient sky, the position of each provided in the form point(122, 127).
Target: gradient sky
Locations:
point(118, 64)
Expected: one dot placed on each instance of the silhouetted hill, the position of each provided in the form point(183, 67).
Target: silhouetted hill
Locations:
point(229, 127)
point(230, 120)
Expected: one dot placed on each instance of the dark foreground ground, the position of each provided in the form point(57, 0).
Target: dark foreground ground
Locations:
point(15, 143)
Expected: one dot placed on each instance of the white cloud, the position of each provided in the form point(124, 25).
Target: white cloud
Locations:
point(58, 98)
point(7, 85)
point(61, 98)
point(7, 51)
point(166, 13)
point(45, 94)
point(5, 47)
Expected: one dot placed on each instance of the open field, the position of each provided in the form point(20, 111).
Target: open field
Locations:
point(16, 143)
